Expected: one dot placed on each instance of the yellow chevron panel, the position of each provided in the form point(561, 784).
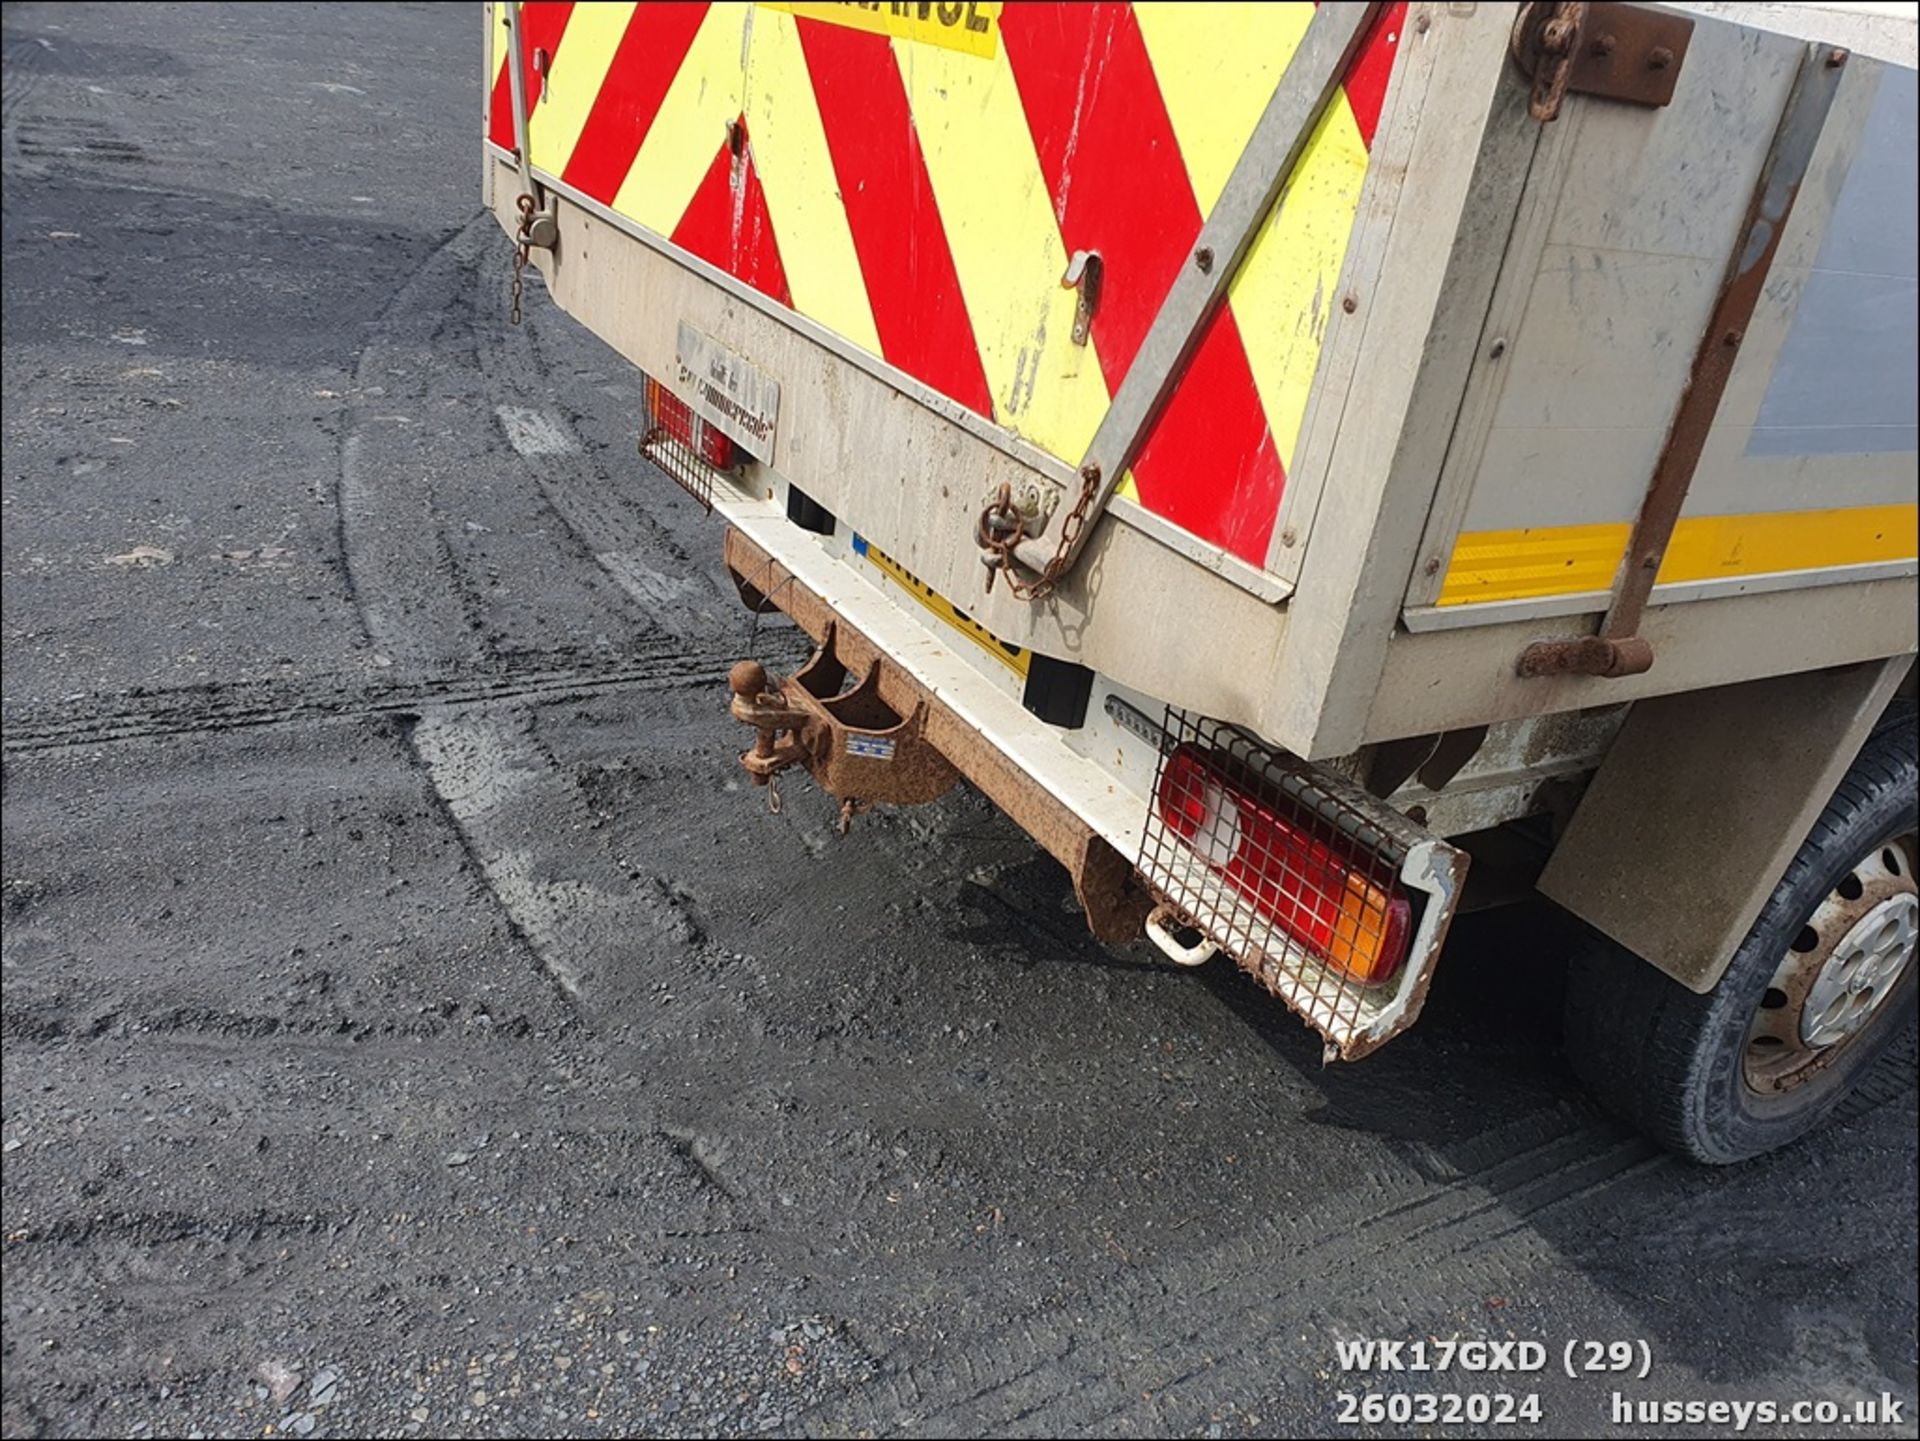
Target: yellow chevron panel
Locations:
point(1569, 559)
point(580, 66)
point(790, 155)
point(1218, 65)
point(496, 44)
point(1006, 245)
point(708, 92)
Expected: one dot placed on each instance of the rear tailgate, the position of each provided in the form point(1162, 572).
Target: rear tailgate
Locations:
point(915, 179)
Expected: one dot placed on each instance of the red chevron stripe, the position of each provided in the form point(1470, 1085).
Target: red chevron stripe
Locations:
point(1372, 68)
point(542, 24)
point(1119, 186)
point(656, 40)
point(727, 223)
point(905, 260)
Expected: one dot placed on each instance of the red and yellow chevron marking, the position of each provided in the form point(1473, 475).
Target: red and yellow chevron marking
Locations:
point(915, 176)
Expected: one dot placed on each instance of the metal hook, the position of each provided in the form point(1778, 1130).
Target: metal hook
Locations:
point(1084, 274)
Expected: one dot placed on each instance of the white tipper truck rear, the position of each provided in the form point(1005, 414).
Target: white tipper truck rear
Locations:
point(1280, 453)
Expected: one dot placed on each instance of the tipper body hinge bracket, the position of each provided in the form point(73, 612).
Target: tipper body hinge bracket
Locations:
point(1614, 51)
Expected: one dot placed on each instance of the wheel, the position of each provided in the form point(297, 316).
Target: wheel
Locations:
point(1823, 983)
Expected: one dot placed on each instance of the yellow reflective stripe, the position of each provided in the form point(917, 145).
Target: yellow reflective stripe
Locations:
point(795, 168)
point(1011, 656)
point(1515, 564)
point(1705, 546)
point(1218, 65)
point(1566, 560)
point(1000, 224)
point(691, 126)
point(580, 66)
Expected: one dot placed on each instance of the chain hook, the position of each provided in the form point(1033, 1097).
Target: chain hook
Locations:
point(522, 250)
point(1556, 43)
point(1002, 527)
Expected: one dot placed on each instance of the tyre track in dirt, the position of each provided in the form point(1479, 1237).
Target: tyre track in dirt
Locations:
point(1097, 1372)
point(583, 909)
point(102, 720)
point(20, 67)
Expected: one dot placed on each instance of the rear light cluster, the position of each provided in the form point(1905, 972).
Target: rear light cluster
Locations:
point(1325, 894)
point(669, 415)
point(682, 444)
point(1303, 877)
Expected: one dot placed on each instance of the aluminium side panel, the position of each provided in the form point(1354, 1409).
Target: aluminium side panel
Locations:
point(1809, 474)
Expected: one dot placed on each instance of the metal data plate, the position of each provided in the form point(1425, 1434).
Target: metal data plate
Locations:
point(728, 391)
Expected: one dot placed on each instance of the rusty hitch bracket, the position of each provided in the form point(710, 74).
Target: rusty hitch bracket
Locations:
point(856, 746)
point(840, 737)
point(1619, 649)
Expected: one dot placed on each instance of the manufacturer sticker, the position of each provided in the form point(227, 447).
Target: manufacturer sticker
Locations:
point(728, 391)
point(874, 748)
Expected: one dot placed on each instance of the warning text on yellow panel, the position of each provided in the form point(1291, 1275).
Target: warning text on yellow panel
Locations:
point(964, 25)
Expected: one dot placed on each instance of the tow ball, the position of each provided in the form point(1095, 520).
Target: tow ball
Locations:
point(841, 729)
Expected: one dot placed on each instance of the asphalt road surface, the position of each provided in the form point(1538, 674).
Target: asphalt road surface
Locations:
point(413, 1026)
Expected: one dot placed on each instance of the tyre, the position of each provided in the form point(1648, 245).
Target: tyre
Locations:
point(1823, 984)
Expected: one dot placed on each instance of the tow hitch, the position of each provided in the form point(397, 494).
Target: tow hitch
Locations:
point(858, 748)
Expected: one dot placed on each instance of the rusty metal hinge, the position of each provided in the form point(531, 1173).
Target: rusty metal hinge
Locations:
point(1614, 51)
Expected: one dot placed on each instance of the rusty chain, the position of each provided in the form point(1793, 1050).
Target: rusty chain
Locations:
point(1002, 527)
point(522, 251)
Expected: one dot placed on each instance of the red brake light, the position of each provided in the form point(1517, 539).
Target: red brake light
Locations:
point(1313, 884)
point(669, 414)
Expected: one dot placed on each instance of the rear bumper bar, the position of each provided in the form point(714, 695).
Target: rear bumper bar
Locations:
point(952, 724)
point(938, 715)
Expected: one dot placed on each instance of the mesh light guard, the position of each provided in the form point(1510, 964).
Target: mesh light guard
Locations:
point(1382, 854)
point(679, 464)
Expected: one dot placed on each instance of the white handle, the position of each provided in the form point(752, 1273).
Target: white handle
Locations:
point(1197, 954)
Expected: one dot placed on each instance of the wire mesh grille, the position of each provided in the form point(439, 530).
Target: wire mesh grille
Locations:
point(1280, 870)
point(680, 443)
point(680, 464)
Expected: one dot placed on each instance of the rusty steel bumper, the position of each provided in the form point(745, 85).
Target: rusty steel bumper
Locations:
point(891, 739)
point(872, 721)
